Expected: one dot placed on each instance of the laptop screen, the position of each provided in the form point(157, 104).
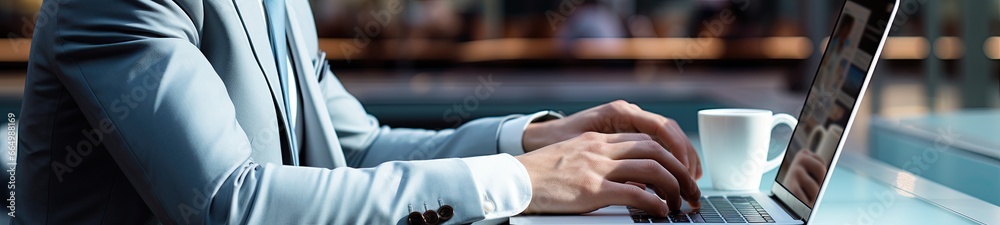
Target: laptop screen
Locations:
point(832, 97)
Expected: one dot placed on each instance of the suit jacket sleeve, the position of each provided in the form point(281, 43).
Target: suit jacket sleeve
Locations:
point(188, 157)
point(365, 143)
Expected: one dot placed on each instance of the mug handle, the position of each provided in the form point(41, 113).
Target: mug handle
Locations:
point(817, 134)
point(779, 119)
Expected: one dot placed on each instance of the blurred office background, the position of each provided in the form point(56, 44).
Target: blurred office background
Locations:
point(437, 63)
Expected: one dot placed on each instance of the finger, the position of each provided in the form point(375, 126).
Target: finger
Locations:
point(814, 155)
point(652, 150)
point(812, 164)
point(695, 162)
point(622, 194)
point(678, 140)
point(648, 171)
point(666, 130)
point(684, 147)
point(809, 186)
point(640, 185)
point(626, 137)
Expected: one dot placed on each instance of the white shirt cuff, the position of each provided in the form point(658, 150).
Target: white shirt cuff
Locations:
point(503, 184)
point(512, 132)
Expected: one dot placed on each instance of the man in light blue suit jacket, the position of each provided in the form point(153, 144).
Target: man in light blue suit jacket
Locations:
point(184, 112)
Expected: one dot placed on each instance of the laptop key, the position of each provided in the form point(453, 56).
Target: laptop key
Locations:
point(659, 220)
point(696, 218)
point(640, 220)
point(740, 220)
point(706, 218)
point(714, 221)
point(736, 221)
point(680, 218)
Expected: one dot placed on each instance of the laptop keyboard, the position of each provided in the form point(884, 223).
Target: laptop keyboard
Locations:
point(715, 209)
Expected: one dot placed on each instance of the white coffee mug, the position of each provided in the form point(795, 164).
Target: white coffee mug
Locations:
point(827, 139)
point(735, 143)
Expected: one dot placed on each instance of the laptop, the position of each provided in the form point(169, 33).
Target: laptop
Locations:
point(840, 82)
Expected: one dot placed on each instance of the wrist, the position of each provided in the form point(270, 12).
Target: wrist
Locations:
point(540, 132)
point(529, 167)
point(533, 137)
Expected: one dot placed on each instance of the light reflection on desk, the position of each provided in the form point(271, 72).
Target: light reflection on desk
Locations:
point(863, 191)
point(905, 183)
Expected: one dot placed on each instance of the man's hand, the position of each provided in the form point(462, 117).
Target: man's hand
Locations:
point(616, 117)
point(589, 171)
point(805, 176)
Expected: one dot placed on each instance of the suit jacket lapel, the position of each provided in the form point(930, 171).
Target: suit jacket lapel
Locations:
point(321, 145)
point(251, 13)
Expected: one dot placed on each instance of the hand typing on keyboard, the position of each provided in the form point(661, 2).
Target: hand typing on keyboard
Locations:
point(589, 172)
